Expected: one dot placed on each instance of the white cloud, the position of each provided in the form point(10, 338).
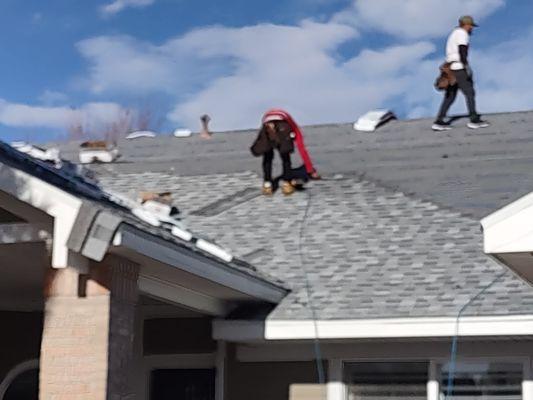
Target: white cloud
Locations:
point(92, 116)
point(243, 71)
point(234, 74)
point(314, 87)
point(503, 72)
point(414, 18)
point(119, 5)
point(52, 97)
point(120, 62)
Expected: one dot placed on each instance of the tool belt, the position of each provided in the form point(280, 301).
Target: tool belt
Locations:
point(446, 77)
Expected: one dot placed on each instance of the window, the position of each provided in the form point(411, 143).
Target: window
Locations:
point(386, 380)
point(483, 381)
point(183, 384)
point(24, 387)
point(22, 382)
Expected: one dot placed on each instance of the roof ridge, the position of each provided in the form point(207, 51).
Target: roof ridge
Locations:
point(344, 123)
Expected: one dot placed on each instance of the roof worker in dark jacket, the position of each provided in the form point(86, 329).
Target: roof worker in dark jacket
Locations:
point(457, 48)
point(275, 133)
point(297, 135)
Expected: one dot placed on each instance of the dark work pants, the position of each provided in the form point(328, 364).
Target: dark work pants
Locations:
point(267, 165)
point(466, 84)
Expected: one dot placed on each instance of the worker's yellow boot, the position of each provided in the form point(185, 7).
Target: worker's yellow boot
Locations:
point(267, 189)
point(286, 188)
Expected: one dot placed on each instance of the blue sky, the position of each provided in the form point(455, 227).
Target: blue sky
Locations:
point(67, 62)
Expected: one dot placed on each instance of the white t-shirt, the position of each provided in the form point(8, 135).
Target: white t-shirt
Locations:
point(459, 37)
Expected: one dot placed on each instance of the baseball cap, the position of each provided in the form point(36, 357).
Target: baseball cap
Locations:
point(467, 20)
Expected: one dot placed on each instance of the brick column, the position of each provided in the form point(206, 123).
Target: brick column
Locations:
point(87, 343)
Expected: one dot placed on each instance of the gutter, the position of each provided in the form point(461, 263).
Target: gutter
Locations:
point(96, 230)
point(199, 264)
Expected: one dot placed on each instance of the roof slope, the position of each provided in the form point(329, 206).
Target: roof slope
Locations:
point(98, 199)
point(475, 172)
point(369, 252)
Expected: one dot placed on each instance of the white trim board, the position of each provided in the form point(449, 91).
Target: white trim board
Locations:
point(62, 206)
point(519, 325)
point(509, 230)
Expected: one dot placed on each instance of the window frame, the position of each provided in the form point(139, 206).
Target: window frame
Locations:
point(523, 360)
point(434, 370)
point(383, 360)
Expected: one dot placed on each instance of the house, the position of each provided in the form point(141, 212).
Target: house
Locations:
point(81, 272)
point(352, 289)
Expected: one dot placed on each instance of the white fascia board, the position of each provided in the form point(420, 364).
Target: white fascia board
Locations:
point(507, 211)
point(510, 230)
point(62, 206)
point(521, 325)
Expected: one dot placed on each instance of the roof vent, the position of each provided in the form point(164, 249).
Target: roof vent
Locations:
point(181, 132)
point(373, 120)
point(141, 134)
point(98, 151)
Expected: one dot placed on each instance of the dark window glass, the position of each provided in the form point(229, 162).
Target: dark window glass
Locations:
point(182, 384)
point(24, 387)
point(382, 380)
point(178, 336)
point(483, 381)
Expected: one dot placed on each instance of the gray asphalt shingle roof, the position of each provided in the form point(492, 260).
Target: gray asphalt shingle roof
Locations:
point(369, 252)
point(472, 171)
point(97, 199)
point(398, 236)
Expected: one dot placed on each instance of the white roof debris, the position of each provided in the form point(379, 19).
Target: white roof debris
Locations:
point(373, 119)
point(51, 155)
point(155, 209)
point(141, 134)
point(214, 250)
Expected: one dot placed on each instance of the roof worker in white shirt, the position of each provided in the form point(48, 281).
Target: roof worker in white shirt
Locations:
point(457, 58)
